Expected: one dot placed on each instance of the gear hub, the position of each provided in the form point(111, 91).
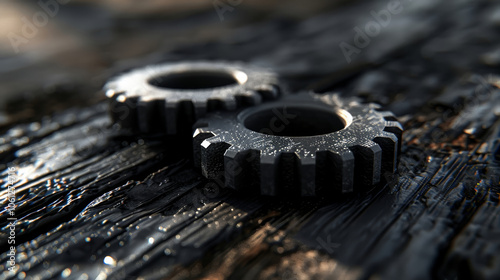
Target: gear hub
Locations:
point(169, 98)
point(305, 144)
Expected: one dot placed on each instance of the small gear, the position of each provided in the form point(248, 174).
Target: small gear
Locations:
point(169, 98)
point(305, 144)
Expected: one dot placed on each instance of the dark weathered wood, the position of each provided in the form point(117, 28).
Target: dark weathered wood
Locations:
point(95, 204)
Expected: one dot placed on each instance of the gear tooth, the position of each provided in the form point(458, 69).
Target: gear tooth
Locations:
point(288, 181)
point(335, 172)
point(149, 113)
point(232, 167)
point(249, 97)
point(185, 117)
point(200, 108)
point(124, 111)
point(389, 144)
point(212, 157)
point(346, 158)
point(212, 140)
point(388, 116)
point(231, 153)
point(397, 129)
point(393, 125)
point(171, 109)
point(215, 105)
point(201, 127)
point(268, 174)
point(142, 115)
point(307, 172)
point(241, 169)
point(199, 136)
point(367, 161)
point(268, 91)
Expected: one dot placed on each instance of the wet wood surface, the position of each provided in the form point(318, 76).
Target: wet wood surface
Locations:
point(91, 203)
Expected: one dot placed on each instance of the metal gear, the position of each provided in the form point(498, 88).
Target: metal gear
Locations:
point(306, 144)
point(169, 98)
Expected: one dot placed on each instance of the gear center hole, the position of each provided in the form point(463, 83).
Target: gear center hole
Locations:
point(296, 121)
point(197, 80)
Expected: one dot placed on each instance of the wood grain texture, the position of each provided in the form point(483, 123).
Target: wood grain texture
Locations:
point(94, 204)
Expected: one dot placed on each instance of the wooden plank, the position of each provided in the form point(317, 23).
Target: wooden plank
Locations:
point(94, 204)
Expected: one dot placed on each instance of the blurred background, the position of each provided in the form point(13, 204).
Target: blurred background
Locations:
point(58, 54)
point(79, 44)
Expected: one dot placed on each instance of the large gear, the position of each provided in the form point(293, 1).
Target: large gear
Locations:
point(169, 97)
point(306, 144)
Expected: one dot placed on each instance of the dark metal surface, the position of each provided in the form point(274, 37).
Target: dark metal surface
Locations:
point(303, 144)
point(91, 203)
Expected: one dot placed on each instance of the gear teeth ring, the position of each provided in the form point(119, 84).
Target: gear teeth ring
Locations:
point(169, 98)
point(305, 144)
